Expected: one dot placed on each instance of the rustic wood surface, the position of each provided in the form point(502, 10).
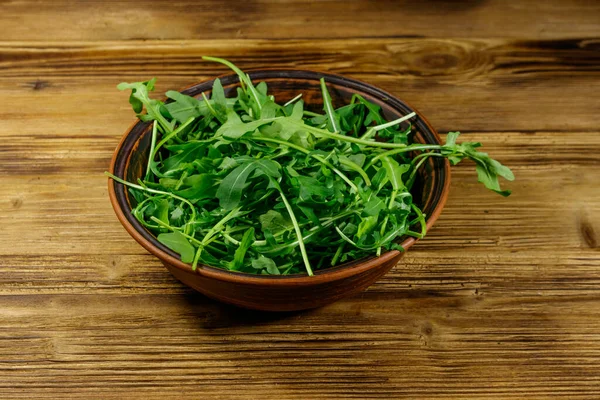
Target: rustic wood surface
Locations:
point(501, 300)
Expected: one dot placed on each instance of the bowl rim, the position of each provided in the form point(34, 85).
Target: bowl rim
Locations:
point(321, 276)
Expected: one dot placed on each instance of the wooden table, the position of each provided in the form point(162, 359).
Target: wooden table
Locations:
point(501, 300)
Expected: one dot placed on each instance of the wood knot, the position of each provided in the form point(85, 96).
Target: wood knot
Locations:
point(16, 203)
point(38, 84)
point(588, 233)
point(427, 329)
point(437, 61)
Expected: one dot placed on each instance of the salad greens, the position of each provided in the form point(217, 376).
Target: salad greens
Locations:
point(247, 184)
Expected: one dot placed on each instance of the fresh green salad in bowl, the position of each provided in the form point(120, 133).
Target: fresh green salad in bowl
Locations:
point(247, 184)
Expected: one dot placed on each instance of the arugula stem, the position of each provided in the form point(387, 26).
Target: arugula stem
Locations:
point(197, 257)
point(145, 189)
point(355, 167)
point(259, 243)
point(152, 146)
point(220, 225)
point(174, 228)
point(415, 169)
point(337, 254)
point(293, 100)
point(368, 134)
point(298, 233)
point(394, 122)
point(180, 181)
point(243, 78)
point(329, 107)
point(313, 231)
point(170, 135)
point(414, 234)
point(210, 107)
point(307, 152)
point(385, 220)
point(344, 138)
point(347, 239)
point(421, 217)
point(391, 203)
point(405, 149)
point(312, 114)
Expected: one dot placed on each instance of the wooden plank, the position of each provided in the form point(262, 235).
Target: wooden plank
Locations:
point(150, 346)
point(469, 85)
point(283, 19)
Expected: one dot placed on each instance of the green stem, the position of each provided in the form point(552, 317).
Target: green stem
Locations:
point(298, 233)
point(146, 189)
point(243, 77)
point(152, 146)
point(406, 149)
point(423, 158)
point(421, 217)
point(394, 122)
point(329, 107)
point(293, 100)
point(344, 138)
point(307, 152)
point(356, 168)
point(367, 135)
point(347, 239)
point(174, 228)
point(312, 114)
point(391, 203)
point(180, 181)
point(313, 231)
point(337, 254)
point(210, 107)
point(169, 136)
point(220, 225)
point(385, 220)
point(196, 258)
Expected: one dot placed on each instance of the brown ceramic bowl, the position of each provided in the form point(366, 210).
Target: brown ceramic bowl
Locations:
point(292, 292)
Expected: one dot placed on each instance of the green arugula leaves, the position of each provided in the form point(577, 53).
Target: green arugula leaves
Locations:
point(488, 169)
point(248, 185)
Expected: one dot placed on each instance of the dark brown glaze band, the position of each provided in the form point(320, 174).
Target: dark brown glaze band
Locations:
point(291, 292)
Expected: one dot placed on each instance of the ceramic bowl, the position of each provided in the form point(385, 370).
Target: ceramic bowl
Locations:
point(291, 292)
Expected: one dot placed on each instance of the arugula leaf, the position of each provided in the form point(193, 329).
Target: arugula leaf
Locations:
point(366, 226)
point(240, 252)
point(235, 128)
point(187, 153)
point(201, 186)
point(275, 222)
point(220, 103)
point(266, 264)
point(179, 244)
point(139, 98)
point(185, 107)
point(394, 172)
point(487, 168)
point(373, 206)
point(162, 210)
point(258, 98)
point(231, 188)
point(177, 215)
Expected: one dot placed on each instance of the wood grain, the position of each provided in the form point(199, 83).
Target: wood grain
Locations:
point(500, 301)
point(93, 20)
point(444, 78)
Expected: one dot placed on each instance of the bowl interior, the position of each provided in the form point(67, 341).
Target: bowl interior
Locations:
point(131, 158)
